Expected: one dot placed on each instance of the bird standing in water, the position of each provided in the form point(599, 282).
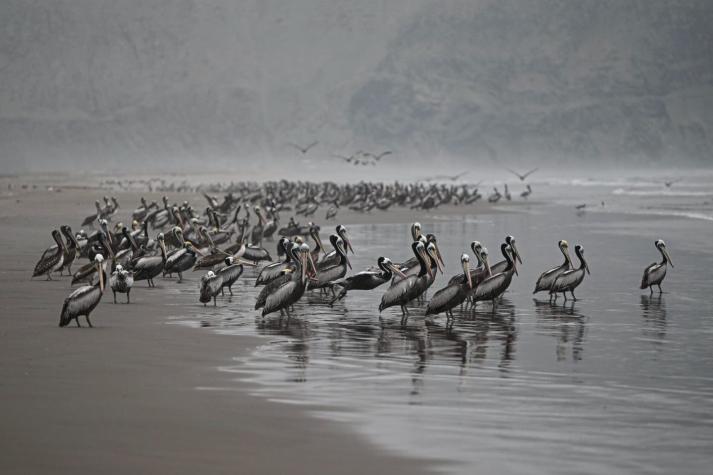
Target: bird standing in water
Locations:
point(85, 299)
point(655, 272)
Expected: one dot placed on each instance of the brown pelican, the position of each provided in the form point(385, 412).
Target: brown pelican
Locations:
point(211, 284)
point(274, 270)
point(149, 267)
point(500, 266)
point(405, 290)
point(328, 271)
point(92, 218)
point(477, 249)
point(570, 280)
point(333, 257)
point(528, 191)
point(452, 295)
point(257, 232)
point(121, 280)
point(548, 277)
point(368, 279)
point(71, 249)
point(291, 291)
point(230, 273)
point(318, 246)
point(181, 261)
point(655, 273)
point(87, 272)
point(52, 259)
point(495, 285)
point(126, 254)
point(83, 300)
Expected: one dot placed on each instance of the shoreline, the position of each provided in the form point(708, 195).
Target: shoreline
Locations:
point(126, 395)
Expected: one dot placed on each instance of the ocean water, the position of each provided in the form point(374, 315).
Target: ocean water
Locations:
point(616, 382)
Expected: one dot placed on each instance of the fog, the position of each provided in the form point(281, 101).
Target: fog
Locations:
point(187, 86)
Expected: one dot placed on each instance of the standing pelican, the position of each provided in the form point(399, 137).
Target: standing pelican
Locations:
point(274, 270)
point(329, 271)
point(230, 273)
point(291, 291)
point(71, 249)
point(52, 259)
point(83, 300)
point(121, 280)
point(570, 280)
point(405, 290)
point(500, 266)
point(333, 258)
point(211, 285)
point(548, 277)
point(495, 285)
point(146, 268)
point(452, 295)
point(181, 261)
point(368, 279)
point(655, 273)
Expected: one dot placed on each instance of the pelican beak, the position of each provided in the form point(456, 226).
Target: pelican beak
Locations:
point(668, 258)
point(163, 245)
point(466, 270)
point(397, 271)
point(514, 266)
point(348, 242)
point(515, 251)
point(586, 266)
point(347, 259)
point(197, 251)
point(319, 241)
point(487, 266)
point(245, 262)
point(439, 258)
point(424, 256)
point(312, 264)
point(100, 270)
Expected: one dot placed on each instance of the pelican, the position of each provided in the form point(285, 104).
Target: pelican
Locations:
point(257, 232)
point(500, 266)
point(405, 290)
point(368, 279)
point(495, 285)
point(477, 249)
point(291, 291)
point(292, 250)
point(230, 273)
point(333, 257)
point(329, 271)
point(181, 261)
point(655, 273)
point(87, 272)
point(548, 277)
point(93, 217)
point(452, 295)
point(146, 268)
point(71, 249)
point(52, 259)
point(570, 280)
point(211, 285)
point(274, 270)
point(121, 281)
point(83, 300)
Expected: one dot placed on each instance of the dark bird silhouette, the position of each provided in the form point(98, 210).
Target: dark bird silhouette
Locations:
point(523, 176)
point(306, 149)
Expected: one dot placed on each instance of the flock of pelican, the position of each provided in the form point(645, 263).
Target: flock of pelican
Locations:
point(189, 241)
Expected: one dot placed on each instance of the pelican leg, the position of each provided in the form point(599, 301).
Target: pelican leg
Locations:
point(565, 295)
point(114, 292)
point(660, 291)
point(222, 291)
point(651, 289)
point(77, 320)
point(230, 289)
point(49, 277)
point(88, 321)
point(180, 277)
point(573, 297)
point(215, 300)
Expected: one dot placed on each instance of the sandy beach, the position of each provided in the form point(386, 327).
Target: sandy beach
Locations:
point(125, 396)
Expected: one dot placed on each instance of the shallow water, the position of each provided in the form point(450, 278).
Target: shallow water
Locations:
point(616, 382)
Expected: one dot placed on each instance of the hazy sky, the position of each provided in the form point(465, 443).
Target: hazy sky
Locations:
point(115, 84)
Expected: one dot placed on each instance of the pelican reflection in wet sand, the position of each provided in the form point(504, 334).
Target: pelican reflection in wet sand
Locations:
point(655, 273)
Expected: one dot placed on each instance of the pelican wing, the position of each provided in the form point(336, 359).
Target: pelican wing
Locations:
point(445, 299)
point(548, 278)
point(397, 293)
point(280, 298)
point(80, 302)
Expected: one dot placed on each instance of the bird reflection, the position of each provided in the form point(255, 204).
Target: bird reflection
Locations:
point(298, 332)
point(653, 312)
point(565, 323)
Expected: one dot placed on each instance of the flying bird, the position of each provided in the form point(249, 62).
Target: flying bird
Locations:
point(306, 149)
point(379, 156)
point(668, 183)
point(523, 176)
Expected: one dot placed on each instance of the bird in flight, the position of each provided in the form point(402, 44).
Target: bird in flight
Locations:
point(379, 156)
point(523, 176)
point(344, 157)
point(306, 149)
point(671, 182)
point(448, 177)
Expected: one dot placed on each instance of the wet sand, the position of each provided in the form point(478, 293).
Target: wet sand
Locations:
point(126, 396)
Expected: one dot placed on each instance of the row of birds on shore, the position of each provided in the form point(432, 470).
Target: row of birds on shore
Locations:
point(192, 242)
